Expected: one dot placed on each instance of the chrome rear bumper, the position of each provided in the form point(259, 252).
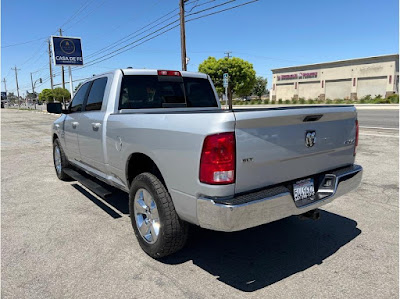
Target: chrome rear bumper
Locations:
point(272, 204)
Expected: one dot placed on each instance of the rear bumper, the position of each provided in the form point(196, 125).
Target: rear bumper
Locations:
point(272, 204)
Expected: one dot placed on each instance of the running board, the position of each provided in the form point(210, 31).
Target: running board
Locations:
point(88, 183)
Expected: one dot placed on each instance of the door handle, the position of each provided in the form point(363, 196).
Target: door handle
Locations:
point(75, 124)
point(96, 126)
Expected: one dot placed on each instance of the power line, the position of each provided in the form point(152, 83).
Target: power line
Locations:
point(129, 36)
point(143, 39)
point(131, 45)
point(222, 10)
point(206, 9)
point(23, 43)
point(81, 9)
point(85, 16)
point(93, 62)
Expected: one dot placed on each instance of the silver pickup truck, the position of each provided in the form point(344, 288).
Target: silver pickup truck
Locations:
point(162, 137)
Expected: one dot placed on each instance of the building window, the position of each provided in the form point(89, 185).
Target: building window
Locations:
point(273, 87)
point(295, 85)
point(354, 81)
point(390, 79)
point(322, 83)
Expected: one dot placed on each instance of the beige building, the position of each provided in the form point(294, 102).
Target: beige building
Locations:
point(344, 79)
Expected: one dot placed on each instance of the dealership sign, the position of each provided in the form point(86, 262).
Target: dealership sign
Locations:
point(298, 76)
point(67, 50)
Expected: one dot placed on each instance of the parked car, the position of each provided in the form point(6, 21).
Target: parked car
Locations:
point(162, 137)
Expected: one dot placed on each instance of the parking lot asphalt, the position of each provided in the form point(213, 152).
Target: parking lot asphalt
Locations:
point(59, 240)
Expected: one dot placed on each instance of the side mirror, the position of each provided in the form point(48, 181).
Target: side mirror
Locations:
point(54, 108)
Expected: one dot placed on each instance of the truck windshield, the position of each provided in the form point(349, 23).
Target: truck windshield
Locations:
point(143, 92)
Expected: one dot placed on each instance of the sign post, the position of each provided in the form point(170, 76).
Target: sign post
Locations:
point(67, 51)
point(225, 83)
point(71, 87)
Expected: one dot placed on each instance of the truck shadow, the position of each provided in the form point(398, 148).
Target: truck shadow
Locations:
point(255, 258)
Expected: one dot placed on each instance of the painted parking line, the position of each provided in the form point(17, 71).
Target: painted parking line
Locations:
point(379, 128)
point(377, 135)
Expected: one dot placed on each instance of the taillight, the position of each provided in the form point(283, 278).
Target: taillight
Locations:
point(356, 141)
point(217, 163)
point(169, 73)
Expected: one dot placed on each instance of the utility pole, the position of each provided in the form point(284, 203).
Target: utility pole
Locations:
point(228, 54)
point(183, 35)
point(51, 71)
point(5, 86)
point(62, 69)
point(33, 88)
point(16, 80)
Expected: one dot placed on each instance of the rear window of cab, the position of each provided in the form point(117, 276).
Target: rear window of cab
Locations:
point(151, 91)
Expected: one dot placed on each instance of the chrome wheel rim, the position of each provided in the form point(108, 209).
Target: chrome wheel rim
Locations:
point(146, 216)
point(57, 159)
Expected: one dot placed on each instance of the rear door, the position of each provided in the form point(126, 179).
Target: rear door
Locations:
point(280, 145)
point(72, 123)
point(91, 126)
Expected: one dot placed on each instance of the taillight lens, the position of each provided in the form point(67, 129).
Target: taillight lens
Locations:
point(217, 163)
point(356, 142)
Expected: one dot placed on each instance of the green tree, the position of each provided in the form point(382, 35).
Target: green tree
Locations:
point(46, 95)
point(260, 87)
point(61, 94)
point(241, 74)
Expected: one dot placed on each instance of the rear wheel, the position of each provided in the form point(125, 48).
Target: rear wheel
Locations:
point(60, 161)
point(157, 226)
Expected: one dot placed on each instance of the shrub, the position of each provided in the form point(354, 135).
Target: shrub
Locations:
point(310, 101)
point(266, 102)
point(328, 101)
point(381, 101)
point(394, 98)
point(273, 102)
point(258, 102)
point(302, 101)
point(294, 101)
point(287, 101)
point(280, 101)
point(338, 101)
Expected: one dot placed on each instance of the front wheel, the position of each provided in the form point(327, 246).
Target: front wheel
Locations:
point(157, 226)
point(60, 161)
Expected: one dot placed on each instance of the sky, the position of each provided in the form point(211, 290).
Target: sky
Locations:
point(268, 34)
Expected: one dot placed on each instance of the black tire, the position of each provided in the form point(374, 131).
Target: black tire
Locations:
point(64, 162)
point(173, 232)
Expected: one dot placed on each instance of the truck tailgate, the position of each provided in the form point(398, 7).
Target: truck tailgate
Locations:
point(271, 143)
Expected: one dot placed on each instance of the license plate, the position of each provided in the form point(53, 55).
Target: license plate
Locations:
point(304, 189)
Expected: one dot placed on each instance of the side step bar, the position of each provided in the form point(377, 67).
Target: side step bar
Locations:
point(92, 185)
